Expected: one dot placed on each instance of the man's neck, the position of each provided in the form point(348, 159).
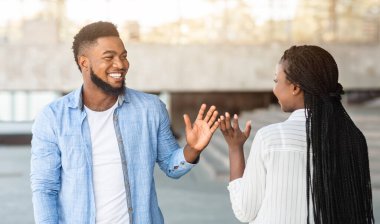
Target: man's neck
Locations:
point(98, 100)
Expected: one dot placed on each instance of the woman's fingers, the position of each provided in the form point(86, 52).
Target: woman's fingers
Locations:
point(228, 121)
point(247, 130)
point(222, 123)
point(235, 123)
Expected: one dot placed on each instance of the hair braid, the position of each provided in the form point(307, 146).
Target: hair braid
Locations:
point(337, 170)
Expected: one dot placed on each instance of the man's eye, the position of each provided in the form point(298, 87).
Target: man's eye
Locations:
point(108, 58)
point(275, 80)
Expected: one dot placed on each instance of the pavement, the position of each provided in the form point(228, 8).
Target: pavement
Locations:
point(199, 197)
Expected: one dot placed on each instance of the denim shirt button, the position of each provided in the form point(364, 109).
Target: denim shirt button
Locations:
point(182, 163)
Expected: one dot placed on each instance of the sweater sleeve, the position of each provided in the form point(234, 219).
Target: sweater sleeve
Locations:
point(247, 192)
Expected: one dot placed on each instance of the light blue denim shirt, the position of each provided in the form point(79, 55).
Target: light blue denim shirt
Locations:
point(61, 160)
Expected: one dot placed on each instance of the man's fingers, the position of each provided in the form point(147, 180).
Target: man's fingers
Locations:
point(247, 130)
point(214, 127)
point(187, 121)
point(201, 112)
point(213, 118)
point(210, 113)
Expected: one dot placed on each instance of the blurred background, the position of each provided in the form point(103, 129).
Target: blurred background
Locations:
point(220, 52)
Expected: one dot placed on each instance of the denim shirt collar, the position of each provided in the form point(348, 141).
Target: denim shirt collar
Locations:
point(76, 100)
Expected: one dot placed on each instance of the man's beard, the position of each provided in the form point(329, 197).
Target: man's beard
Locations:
point(107, 88)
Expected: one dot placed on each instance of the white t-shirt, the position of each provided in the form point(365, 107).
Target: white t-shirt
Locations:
point(110, 196)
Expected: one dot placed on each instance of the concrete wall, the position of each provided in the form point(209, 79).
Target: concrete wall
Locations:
point(187, 68)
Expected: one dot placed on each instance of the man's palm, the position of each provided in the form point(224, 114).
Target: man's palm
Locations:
point(199, 134)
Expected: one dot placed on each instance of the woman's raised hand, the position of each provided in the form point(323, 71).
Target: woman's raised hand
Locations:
point(234, 137)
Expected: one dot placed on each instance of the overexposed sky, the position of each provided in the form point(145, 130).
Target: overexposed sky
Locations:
point(146, 12)
point(273, 9)
point(12, 10)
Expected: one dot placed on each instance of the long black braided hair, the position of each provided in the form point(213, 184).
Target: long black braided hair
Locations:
point(337, 173)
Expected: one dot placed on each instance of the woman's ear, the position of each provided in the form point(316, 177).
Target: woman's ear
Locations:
point(296, 90)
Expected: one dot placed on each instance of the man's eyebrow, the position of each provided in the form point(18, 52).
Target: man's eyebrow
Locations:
point(113, 52)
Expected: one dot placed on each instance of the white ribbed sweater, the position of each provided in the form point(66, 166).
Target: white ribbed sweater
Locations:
point(273, 187)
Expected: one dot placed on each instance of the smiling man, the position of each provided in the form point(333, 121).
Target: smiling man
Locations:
point(94, 150)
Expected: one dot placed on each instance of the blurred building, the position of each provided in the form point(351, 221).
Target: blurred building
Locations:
point(226, 56)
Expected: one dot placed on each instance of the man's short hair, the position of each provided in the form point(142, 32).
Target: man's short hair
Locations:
point(89, 34)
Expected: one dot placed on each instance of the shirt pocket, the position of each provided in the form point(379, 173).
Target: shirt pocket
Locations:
point(73, 152)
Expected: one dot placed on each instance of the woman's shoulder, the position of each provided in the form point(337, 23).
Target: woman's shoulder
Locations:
point(283, 128)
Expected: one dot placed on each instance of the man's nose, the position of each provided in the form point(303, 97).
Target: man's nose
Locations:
point(118, 63)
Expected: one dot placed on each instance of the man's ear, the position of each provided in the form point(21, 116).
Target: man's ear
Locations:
point(83, 62)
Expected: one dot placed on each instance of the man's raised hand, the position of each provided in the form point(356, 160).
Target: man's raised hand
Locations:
point(199, 134)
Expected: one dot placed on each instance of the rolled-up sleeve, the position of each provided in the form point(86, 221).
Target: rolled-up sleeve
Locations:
point(247, 192)
point(170, 157)
point(45, 169)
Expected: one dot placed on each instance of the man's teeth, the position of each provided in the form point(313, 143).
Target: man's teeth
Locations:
point(115, 75)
